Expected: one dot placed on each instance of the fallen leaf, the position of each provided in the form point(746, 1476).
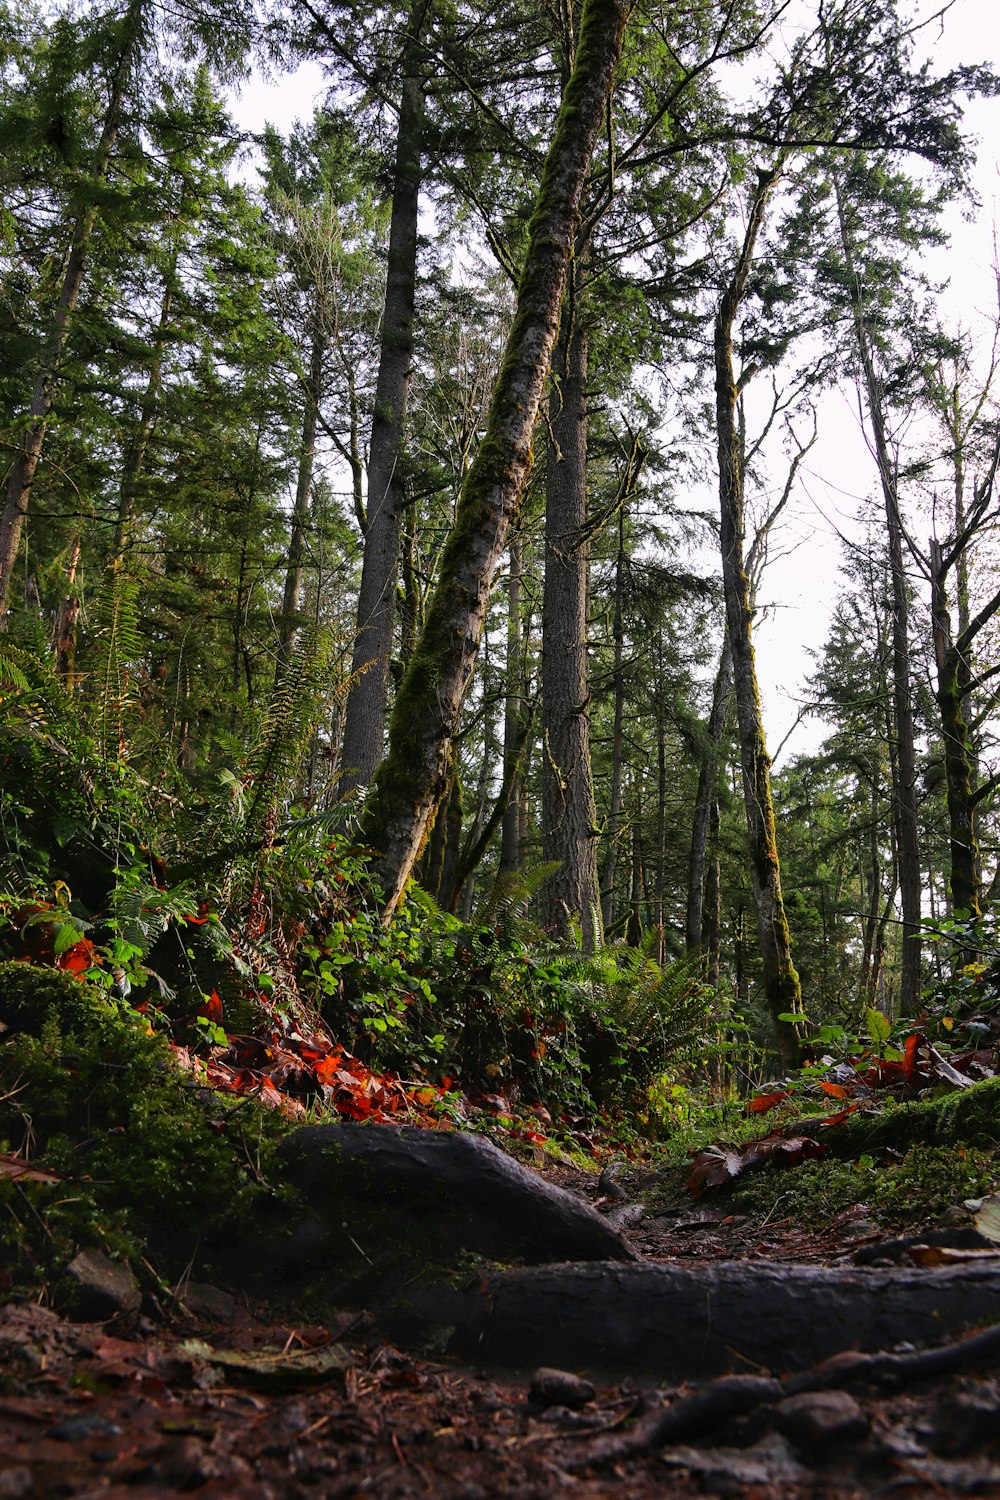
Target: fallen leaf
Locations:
point(721, 1163)
point(764, 1102)
point(273, 1368)
point(17, 1170)
point(987, 1219)
point(945, 1255)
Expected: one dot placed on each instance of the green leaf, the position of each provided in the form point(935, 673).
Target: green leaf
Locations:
point(879, 1026)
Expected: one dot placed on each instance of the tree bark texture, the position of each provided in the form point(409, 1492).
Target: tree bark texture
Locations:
point(569, 813)
point(513, 713)
point(781, 982)
point(21, 477)
point(905, 800)
point(367, 701)
point(682, 1323)
point(952, 690)
point(410, 782)
point(295, 563)
point(705, 799)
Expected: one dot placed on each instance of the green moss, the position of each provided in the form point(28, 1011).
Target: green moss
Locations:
point(969, 1116)
point(925, 1184)
point(149, 1162)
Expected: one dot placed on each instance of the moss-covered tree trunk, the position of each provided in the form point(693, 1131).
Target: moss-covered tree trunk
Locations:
point(953, 678)
point(781, 982)
point(364, 727)
point(410, 782)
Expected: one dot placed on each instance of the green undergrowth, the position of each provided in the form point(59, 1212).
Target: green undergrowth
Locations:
point(918, 1188)
point(147, 1164)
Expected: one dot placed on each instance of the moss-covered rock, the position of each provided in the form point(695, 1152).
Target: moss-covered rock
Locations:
point(96, 1097)
point(967, 1117)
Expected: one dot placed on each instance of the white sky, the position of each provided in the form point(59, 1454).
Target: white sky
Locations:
point(801, 582)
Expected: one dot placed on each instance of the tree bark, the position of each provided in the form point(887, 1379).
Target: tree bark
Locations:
point(410, 782)
point(705, 799)
point(294, 567)
point(364, 727)
point(907, 823)
point(951, 693)
point(510, 843)
point(781, 982)
point(569, 813)
point(23, 469)
point(614, 825)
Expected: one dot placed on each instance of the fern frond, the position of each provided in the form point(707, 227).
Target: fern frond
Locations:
point(509, 895)
point(119, 646)
point(303, 691)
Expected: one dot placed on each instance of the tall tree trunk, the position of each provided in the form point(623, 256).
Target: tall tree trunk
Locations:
point(951, 693)
point(410, 782)
point(569, 813)
point(781, 982)
point(510, 843)
point(706, 798)
point(367, 702)
point(617, 734)
point(64, 634)
point(295, 563)
point(29, 451)
point(907, 822)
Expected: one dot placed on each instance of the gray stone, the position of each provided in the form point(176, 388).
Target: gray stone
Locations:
point(103, 1288)
point(208, 1302)
point(560, 1388)
point(819, 1419)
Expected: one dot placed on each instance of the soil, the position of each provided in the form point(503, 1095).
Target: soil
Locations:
point(149, 1408)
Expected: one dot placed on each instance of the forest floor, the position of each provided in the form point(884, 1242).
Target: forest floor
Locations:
point(148, 1409)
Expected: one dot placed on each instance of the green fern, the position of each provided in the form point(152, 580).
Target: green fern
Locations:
point(505, 902)
point(119, 645)
point(303, 691)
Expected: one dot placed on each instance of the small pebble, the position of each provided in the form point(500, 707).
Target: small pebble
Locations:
point(819, 1419)
point(560, 1388)
point(83, 1427)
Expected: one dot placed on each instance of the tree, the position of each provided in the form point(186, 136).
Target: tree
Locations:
point(411, 781)
point(107, 49)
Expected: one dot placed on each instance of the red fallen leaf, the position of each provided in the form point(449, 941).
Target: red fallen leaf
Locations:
point(838, 1119)
point(761, 1103)
point(911, 1049)
point(835, 1090)
point(213, 1008)
point(722, 1163)
point(14, 1169)
point(327, 1068)
point(76, 959)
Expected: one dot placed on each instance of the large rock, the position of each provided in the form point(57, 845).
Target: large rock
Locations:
point(391, 1195)
point(101, 1288)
